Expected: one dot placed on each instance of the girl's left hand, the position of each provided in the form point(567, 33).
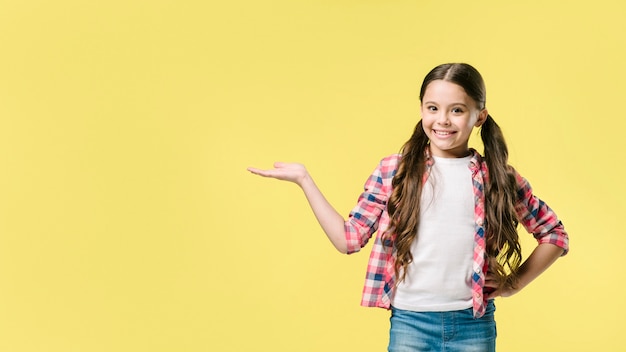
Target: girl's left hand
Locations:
point(492, 284)
point(539, 260)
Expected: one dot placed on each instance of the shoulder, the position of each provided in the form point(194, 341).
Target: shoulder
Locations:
point(524, 189)
point(522, 186)
point(389, 164)
point(393, 159)
point(386, 169)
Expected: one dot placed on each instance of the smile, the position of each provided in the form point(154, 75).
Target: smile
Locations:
point(443, 133)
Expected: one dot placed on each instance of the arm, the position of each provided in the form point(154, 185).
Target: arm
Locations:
point(540, 259)
point(539, 220)
point(329, 219)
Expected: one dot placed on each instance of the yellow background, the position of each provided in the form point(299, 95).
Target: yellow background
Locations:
point(129, 223)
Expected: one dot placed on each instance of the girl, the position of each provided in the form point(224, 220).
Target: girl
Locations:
point(446, 221)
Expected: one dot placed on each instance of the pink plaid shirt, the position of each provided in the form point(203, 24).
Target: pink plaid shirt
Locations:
point(370, 215)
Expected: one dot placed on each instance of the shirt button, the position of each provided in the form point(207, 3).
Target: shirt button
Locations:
point(480, 222)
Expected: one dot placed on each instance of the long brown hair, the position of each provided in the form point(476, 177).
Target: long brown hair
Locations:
point(503, 247)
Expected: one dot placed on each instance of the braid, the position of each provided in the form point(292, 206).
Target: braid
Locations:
point(503, 247)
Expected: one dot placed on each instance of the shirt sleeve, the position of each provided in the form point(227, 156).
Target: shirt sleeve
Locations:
point(364, 218)
point(537, 217)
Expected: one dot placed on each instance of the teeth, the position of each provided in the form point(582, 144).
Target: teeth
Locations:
point(443, 133)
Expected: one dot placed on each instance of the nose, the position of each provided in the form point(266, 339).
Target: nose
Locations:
point(443, 119)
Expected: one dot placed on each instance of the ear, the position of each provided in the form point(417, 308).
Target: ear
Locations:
point(482, 117)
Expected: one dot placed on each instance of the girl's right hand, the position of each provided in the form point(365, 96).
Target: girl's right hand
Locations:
point(292, 172)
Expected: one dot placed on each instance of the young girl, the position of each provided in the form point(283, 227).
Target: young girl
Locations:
point(446, 221)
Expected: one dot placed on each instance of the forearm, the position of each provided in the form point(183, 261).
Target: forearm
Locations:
point(329, 219)
point(539, 260)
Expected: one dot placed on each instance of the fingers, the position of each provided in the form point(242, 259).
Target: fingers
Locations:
point(274, 173)
point(259, 172)
point(292, 172)
point(494, 294)
point(267, 172)
point(491, 284)
point(490, 281)
point(277, 165)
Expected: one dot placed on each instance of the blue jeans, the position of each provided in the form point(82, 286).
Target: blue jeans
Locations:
point(455, 331)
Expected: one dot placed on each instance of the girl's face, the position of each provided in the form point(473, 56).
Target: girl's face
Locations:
point(448, 117)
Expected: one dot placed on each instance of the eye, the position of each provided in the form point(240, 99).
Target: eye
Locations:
point(431, 108)
point(457, 110)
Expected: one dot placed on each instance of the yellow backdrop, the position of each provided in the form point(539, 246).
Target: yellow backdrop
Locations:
point(129, 223)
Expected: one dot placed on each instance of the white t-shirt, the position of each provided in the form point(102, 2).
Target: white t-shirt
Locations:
point(439, 278)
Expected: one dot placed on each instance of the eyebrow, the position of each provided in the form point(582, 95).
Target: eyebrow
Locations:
point(432, 102)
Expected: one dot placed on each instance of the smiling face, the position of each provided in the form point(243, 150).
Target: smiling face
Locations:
point(448, 117)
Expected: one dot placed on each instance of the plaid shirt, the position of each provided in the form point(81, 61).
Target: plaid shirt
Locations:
point(370, 215)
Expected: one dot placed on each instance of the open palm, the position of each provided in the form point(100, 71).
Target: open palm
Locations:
point(292, 172)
